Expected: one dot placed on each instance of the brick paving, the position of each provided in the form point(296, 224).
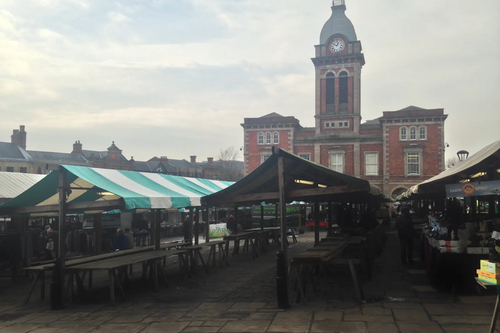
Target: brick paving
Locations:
point(242, 298)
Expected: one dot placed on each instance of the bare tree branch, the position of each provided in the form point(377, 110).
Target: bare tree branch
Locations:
point(227, 158)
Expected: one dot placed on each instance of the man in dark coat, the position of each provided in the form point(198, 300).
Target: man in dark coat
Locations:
point(404, 225)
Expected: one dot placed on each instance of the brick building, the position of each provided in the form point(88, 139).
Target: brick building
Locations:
point(395, 151)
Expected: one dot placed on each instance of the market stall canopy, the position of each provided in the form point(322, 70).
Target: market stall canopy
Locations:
point(304, 180)
point(485, 162)
point(13, 183)
point(93, 189)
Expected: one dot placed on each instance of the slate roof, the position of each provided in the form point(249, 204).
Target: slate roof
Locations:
point(150, 166)
point(181, 164)
point(98, 155)
point(12, 152)
point(60, 158)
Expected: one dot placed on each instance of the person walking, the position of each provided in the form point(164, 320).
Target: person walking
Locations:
point(404, 224)
point(187, 229)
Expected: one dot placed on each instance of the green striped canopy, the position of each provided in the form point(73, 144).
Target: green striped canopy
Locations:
point(139, 190)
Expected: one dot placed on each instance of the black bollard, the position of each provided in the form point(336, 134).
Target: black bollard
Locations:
point(281, 281)
point(55, 287)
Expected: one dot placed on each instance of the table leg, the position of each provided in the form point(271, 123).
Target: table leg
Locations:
point(154, 270)
point(111, 286)
point(90, 279)
point(202, 261)
point(355, 280)
point(32, 287)
point(42, 287)
point(163, 273)
point(79, 284)
point(223, 254)
point(495, 312)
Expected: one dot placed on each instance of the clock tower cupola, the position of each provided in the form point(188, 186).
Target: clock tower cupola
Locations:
point(338, 64)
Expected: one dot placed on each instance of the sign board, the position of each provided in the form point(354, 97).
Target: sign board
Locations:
point(218, 230)
point(271, 210)
point(473, 189)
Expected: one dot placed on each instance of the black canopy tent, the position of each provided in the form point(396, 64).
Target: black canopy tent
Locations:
point(282, 178)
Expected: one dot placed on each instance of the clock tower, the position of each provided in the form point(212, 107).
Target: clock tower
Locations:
point(338, 64)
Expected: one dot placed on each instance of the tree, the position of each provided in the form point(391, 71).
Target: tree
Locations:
point(227, 159)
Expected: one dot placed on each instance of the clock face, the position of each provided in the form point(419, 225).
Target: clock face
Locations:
point(337, 45)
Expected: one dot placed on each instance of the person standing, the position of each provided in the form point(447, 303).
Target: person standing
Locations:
point(121, 240)
point(404, 224)
point(130, 239)
point(187, 228)
point(231, 224)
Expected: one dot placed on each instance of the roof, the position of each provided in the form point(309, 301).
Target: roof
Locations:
point(152, 166)
point(182, 164)
point(414, 112)
point(94, 190)
point(484, 160)
point(11, 151)
point(338, 23)
point(304, 179)
point(13, 183)
point(60, 158)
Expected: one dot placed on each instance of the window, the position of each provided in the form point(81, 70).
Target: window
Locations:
point(413, 133)
point(346, 124)
point(413, 164)
point(343, 89)
point(422, 133)
point(10, 169)
point(327, 125)
point(403, 133)
point(260, 139)
point(330, 89)
point(341, 124)
point(276, 137)
point(268, 138)
point(371, 164)
point(23, 169)
point(265, 157)
point(337, 162)
point(305, 156)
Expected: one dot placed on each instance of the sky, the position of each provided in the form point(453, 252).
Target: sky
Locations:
point(177, 77)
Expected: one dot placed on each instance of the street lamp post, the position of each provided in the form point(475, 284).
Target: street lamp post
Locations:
point(462, 155)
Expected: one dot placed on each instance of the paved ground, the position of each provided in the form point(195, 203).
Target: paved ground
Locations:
point(242, 298)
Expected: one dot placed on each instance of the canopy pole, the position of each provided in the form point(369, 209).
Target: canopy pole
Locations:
point(197, 225)
point(281, 256)
point(98, 232)
point(57, 283)
point(282, 202)
point(316, 223)
point(261, 217)
point(207, 225)
point(330, 218)
point(157, 223)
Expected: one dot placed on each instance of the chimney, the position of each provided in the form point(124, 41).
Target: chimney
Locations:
point(164, 159)
point(77, 148)
point(193, 159)
point(19, 137)
point(210, 160)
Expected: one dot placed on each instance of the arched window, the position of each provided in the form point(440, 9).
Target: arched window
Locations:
point(413, 133)
point(276, 138)
point(330, 91)
point(343, 89)
point(422, 133)
point(403, 132)
point(260, 139)
point(268, 138)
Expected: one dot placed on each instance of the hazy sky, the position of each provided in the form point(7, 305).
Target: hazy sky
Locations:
point(177, 77)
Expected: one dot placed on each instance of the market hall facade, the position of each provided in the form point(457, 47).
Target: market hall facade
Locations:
point(393, 152)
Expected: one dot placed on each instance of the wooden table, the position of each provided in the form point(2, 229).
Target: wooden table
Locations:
point(113, 264)
point(194, 254)
point(249, 244)
point(494, 317)
point(216, 246)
